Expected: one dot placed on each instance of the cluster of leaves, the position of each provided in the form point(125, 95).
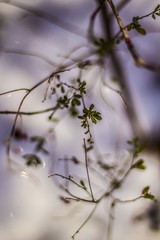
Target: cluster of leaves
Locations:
point(147, 195)
point(135, 21)
point(77, 96)
point(103, 47)
point(33, 159)
point(139, 164)
point(71, 98)
point(91, 114)
point(156, 12)
point(40, 142)
point(136, 25)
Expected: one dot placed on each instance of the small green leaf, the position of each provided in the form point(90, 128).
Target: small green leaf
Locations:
point(74, 160)
point(139, 165)
point(81, 117)
point(93, 120)
point(77, 96)
point(157, 8)
point(75, 102)
point(83, 184)
point(158, 14)
point(145, 190)
point(148, 195)
point(141, 30)
point(153, 16)
point(129, 27)
point(98, 117)
point(62, 89)
point(91, 107)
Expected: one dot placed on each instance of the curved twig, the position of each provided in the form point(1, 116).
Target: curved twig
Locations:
point(29, 53)
point(52, 19)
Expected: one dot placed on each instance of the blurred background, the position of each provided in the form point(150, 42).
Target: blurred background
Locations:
point(36, 37)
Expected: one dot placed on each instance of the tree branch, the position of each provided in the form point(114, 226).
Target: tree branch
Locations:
point(52, 19)
point(140, 62)
point(29, 53)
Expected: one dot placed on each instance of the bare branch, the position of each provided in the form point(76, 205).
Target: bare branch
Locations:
point(92, 21)
point(29, 113)
point(15, 90)
point(29, 53)
point(52, 19)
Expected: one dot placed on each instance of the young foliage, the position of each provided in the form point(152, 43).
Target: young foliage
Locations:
point(148, 195)
point(139, 165)
point(40, 142)
point(32, 160)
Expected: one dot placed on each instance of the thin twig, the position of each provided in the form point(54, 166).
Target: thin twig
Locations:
point(29, 53)
point(15, 90)
point(45, 16)
point(86, 162)
point(90, 215)
point(110, 220)
point(120, 182)
point(29, 113)
point(69, 179)
point(92, 21)
point(127, 201)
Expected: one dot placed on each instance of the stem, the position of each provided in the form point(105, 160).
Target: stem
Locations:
point(28, 53)
point(86, 162)
point(15, 90)
point(90, 215)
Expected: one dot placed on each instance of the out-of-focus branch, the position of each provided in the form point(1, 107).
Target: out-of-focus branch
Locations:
point(29, 113)
point(29, 53)
point(118, 69)
point(92, 21)
point(50, 18)
point(122, 4)
point(140, 62)
point(14, 90)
